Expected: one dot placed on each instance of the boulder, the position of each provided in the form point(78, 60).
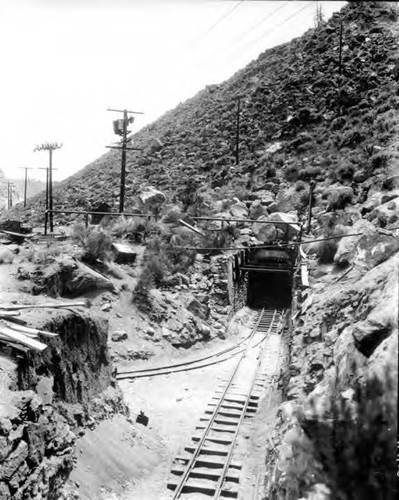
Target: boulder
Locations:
point(265, 197)
point(369, 334)
point(290, 230)
point(347, 247)
point(69, 278)
point(150, 199)
point(256, 209)
point(239, 210)
point(389, 211)
point(287, 199)
point(265, 232)
point(118, 336)
point(372, 202)
point(198, 309)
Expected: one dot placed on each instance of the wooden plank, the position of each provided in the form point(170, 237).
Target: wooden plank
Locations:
point(23, 339)
point(265, 270)
point(304, 275)
point(78, 303)
point(31, 331)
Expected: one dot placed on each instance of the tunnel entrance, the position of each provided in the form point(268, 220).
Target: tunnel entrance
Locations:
point(270, 290)
point(270, 275)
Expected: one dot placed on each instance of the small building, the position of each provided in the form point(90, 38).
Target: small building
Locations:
point(101, 208)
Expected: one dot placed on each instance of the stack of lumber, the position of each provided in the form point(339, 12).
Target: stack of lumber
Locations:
point(14, 334)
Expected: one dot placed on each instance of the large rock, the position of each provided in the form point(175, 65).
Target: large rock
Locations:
point(369, 334)
point(265, 197)
point(373, 201)
point(239, 210)
point(198, 309)
point(289, 226)
point(256, 210)
point(388, 212)
point(264, 232)
point(69, 278)
point(151, 199)
point(347, 247)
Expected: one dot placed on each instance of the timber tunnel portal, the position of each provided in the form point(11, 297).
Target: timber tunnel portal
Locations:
point(264, 277)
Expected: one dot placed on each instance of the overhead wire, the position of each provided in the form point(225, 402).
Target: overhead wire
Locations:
point(223, 17)
point(260, 21)
point(251, 43)
point(270, 247)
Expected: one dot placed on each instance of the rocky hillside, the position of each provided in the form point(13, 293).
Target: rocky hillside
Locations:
point(300, 119)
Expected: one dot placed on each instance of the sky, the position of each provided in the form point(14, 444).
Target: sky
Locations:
point(64, 62)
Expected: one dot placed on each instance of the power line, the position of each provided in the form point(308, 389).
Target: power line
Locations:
point(265, 36)
point(260, 21)
point(294, 14)
point(270, 247)
point(223, 17)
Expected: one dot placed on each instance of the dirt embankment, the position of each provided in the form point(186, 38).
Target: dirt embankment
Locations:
point(61, 391)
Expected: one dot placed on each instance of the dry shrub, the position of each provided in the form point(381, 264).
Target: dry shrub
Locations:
point(97, 246)
point(300, 186)
point(96, 243)
point(129, 228)
point(41, 255)
point(338, 199)
point(114, 270)
point(6, 256)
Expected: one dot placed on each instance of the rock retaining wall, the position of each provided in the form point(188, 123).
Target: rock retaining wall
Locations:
point(230, 289)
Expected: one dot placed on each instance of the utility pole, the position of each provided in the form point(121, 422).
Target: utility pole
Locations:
point(47, 190)
point(26, 183)
point(50, 147)
point(10, 185)
point(340, 66)
point(120, 128)
point(311, 189)
point(238, 130)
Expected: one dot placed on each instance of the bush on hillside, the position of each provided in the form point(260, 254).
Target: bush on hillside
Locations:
point(339, 199)
point(291, 173)
point(300, 186)
point(96, 243)
point(345, 173)
point(132, 228)
point(309, 173)
point(356, 440)
point(97, 246)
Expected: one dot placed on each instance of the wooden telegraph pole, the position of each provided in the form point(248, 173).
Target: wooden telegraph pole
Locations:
point(46, 169)
point(340, 67)
point(10, 185)
point(238, 131)
point(26, 183)
point(120, 128)
point(50, 147)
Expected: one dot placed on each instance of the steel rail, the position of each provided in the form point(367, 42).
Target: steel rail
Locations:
point(186, 363)
point(221, 480)
point(192, 460)
point(181, 369)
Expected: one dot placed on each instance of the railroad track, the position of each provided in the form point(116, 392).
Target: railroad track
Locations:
point(195, 364)
point(208, 466)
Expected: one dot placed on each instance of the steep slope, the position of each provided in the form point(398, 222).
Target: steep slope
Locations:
point(298, 116)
